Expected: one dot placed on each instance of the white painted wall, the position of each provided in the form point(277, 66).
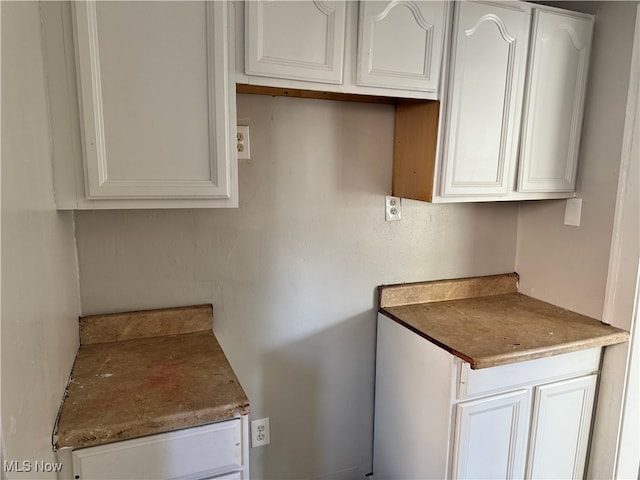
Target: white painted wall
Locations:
point(40, 297)
point(292, 272)
point(568, 265)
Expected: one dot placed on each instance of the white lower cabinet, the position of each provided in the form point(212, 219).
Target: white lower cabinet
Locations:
point(215, 451)
point(436, 418)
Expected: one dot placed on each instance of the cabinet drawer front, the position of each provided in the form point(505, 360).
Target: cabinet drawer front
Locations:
point(474, 383)
point(400, 44)
point(199, 452)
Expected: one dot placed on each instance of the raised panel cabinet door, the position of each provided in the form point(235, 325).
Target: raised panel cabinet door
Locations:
point(554, 101)
point(483, 119)
point(560, 428)
point(400, 44)
point(298, 40)
point(491, 437)
point(154, 93)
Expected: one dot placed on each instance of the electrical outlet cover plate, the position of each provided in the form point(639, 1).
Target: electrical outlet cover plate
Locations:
point(393, 208)
point(260, 432)
point(244, 148)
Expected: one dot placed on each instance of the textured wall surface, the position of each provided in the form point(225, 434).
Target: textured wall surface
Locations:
point(40, 298)
point(292, 272)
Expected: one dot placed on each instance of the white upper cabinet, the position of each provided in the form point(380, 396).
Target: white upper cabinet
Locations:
point(385, 48)
point(554, 103)
point(156, 107)
point(511, 112)
point(399, 44)
point(295, 40)
point(487, 78)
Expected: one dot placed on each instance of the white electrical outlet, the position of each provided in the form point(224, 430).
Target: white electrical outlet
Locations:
point(260, 432)
point(242, 137)
point(393, 208)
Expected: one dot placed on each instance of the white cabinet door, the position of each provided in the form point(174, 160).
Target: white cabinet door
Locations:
point(487, 79)
point(400, 44)
point(301, 40)
point(155, 96)
point(560, 428)
point(554, 103)
point(491, 436)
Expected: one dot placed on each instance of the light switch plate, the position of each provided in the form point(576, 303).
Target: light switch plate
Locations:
point(572, 212)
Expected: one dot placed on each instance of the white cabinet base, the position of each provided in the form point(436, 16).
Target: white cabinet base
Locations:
point(523, 420)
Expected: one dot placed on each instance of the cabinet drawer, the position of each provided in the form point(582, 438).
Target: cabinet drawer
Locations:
point(200, 452)
point(474, 383)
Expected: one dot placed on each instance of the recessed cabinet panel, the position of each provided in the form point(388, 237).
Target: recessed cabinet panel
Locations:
point(295, 40)
point(560, 430)
point(488, 60)
point(553, 110)
point(491, 436)
point(400, 44)
point(153, 88)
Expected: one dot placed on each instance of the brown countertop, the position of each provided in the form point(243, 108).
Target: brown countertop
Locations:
point(130, 380)
point(486, 322)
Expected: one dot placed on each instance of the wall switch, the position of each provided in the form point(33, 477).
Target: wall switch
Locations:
point(393, 208)
point(572, 212)
point(244, 151)
point(260, 432)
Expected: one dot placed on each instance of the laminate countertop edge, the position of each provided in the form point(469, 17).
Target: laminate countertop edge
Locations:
point(492, 330)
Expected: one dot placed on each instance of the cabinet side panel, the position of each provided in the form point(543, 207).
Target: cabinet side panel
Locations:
point(412, 405)
point(414, 150)
point(64, 118)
